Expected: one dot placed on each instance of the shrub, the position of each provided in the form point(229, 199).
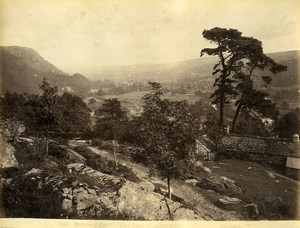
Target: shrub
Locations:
point(57, 150)
point(96, 142)
point(23, 198)
point(139, 155)
point(106, 166)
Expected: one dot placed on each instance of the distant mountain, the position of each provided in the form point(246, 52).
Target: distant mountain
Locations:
point(290, 77)
point(199, 69)
point(22, 70)
point(164, 72)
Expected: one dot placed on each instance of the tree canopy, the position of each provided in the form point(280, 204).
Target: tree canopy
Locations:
point(239, 57)
point(168, 130)
point(111, 119)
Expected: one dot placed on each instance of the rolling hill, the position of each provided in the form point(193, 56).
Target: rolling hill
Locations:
point(22, 70)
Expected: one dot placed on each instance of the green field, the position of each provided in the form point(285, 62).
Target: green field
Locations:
point(133, 101)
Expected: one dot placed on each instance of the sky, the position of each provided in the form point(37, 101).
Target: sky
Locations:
point(83, 35)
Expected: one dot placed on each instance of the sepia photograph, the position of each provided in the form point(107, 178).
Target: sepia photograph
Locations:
point(137, 110)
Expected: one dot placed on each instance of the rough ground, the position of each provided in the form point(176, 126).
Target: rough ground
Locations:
point(274, 195)
point(84, 183)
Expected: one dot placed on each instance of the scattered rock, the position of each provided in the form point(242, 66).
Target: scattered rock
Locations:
point(222, 163)
point(229, 200)
point(5, 181)
point(252, 211)
point(67, 205)
point(27, 140)
point(221, 185)
point(211, 183)
point(207, 217)
point(50, 164)
point(208, 170)
point(229, 203)
point(184, 214)
point(198, 164)
point(76, 157)
point(33, 172)
point(270, 174)
point(75, 167)
point(276, 205)
point(8, 159)
point(231, 186)
point(147, 185)
point(191, 181)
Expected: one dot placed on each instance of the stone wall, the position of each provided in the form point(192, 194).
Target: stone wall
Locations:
point(261, 149)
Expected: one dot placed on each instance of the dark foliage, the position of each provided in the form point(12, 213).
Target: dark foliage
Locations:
point(106, 166)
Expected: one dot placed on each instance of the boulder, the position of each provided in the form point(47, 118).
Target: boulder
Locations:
point(191, 181)
point(33, 172)
point(213, 184)
point(222, 185)
point(138, 204)
point(252, 211)
point(229, 200)
point(8, 159)
point(27, 140)
point(229, 203)
point(231, 186)
point(147, 186)
point(184, 214)
point(135, 203)
point(275, 205)
point(74, 156)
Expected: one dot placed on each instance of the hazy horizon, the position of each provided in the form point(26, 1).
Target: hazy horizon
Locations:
point(83, 36)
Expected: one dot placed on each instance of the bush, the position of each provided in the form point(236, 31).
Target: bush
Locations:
point(23, 198)
point(139, 155)
point(96, 142)
point(106, 145)
point(106, 166)
point(57, 150)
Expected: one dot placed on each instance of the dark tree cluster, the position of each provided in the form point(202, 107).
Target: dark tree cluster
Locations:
point(44, 114)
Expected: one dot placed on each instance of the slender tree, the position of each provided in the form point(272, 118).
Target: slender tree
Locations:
point(43, 115)
point(224, 39)
point(74, 115)
point(111, 122)
point(168, 132)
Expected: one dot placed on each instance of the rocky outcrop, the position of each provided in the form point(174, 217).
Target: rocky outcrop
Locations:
point(134, 201)
point(222, 185)
point(8, 159)
point(89, 194)
point(139, 204)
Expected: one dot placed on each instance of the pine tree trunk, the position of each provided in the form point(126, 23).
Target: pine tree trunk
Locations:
point(169, 188)
point(47, 145)
point(115, 145)
point(115, 156)
point(236, 117)
point(221, 113)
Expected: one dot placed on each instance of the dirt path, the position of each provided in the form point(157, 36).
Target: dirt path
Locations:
point(190, 194)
